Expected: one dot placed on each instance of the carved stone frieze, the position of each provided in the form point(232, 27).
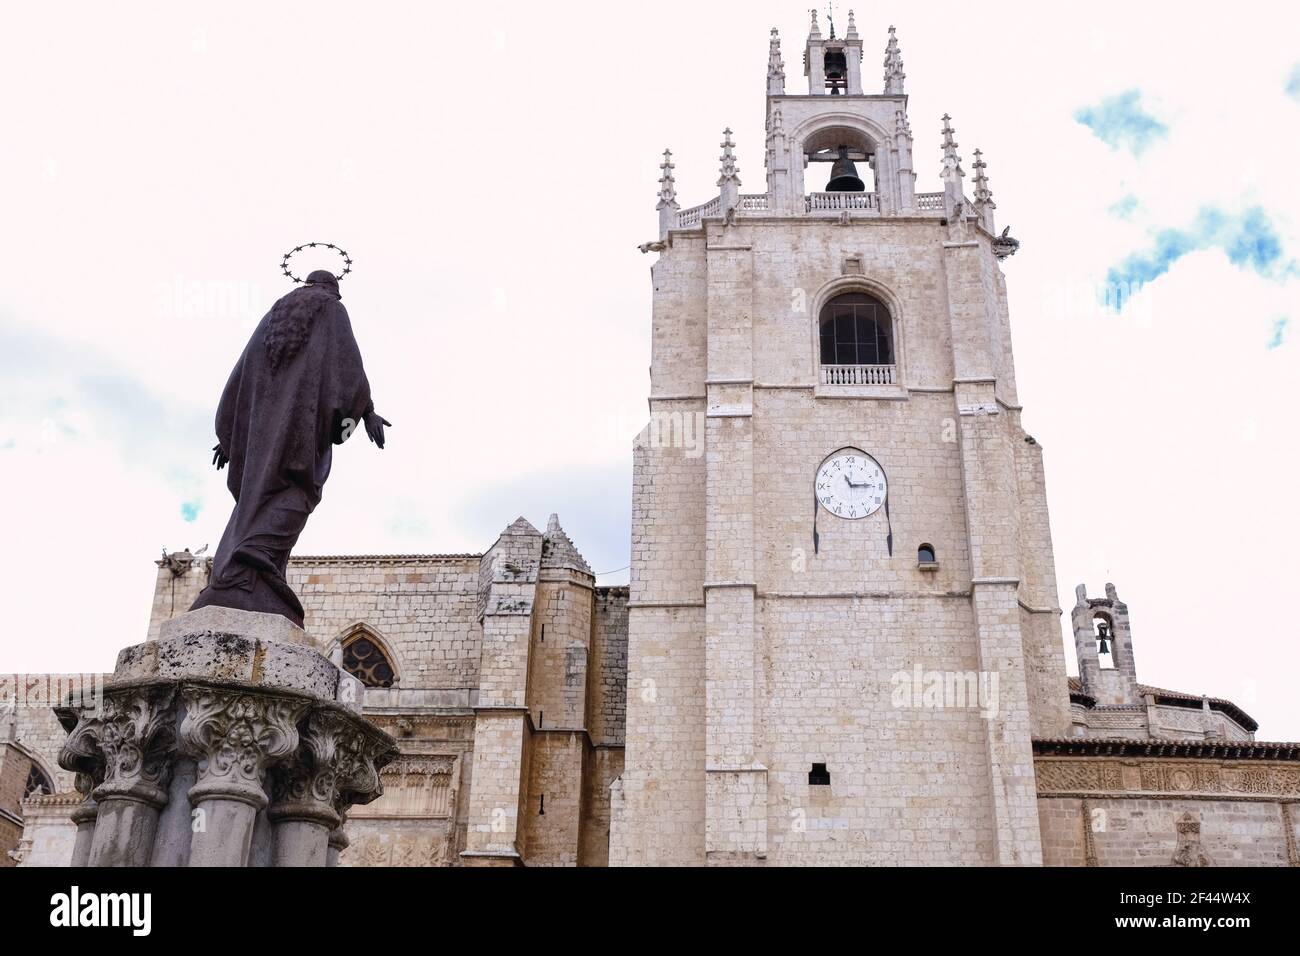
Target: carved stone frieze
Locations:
point(1108, 776)
point(416, 785)
point(404, 849)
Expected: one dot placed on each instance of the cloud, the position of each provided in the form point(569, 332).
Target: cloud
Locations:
point(1124, 207)
point(190, 509)
point(1279, 332)
point(1249, 240)
point(1120, 121)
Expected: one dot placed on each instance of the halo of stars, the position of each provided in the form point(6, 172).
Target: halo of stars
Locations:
point(284, 262)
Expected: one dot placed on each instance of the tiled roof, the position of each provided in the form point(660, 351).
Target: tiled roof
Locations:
point(1219, 749)
point(1165, 696)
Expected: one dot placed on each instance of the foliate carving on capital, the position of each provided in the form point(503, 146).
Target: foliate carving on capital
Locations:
point(234, 735)
point(81, 752)
point(307, 786)
point(358, 780)
point(125, 750)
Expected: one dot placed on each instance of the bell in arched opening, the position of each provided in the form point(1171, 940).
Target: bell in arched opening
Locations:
point(844, 175)
point(837, 71)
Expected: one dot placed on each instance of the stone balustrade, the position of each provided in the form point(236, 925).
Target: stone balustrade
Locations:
point(840, 201)
point(858, 374)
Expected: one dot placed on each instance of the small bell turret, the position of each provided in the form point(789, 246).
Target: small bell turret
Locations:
point(844, 175)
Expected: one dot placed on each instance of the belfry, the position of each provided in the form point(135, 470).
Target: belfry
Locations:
point(868, 516)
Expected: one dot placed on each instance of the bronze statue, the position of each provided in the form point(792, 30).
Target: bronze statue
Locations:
point(298, 390)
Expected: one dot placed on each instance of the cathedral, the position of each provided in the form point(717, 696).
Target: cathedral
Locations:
point(840, 643)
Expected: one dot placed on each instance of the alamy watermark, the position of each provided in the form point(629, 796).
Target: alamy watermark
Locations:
point(43, 691)
point(677, 429)
point(923, 689)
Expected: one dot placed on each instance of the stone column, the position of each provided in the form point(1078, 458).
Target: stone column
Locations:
point(338, 842)
point(135, 738)
point(80, 754)
point(334, 758)
point(191, 724)
point(233, 735)
point(84, 817)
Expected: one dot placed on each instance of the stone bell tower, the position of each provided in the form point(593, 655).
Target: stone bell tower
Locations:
point(843, 622)
point(1103, 645)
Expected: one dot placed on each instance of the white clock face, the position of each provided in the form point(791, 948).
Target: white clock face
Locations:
point(850, 484)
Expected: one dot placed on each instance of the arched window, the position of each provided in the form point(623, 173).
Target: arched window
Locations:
point(1105, 634)
point(925, 554)
point(856, 330)
point(364, 660)
point(37, 783)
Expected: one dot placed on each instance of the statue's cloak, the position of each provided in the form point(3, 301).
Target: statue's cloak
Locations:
point(298, 390)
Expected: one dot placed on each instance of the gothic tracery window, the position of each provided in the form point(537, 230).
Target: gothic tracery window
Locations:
point(364, 660)
point(856, 329)
point(37, 783)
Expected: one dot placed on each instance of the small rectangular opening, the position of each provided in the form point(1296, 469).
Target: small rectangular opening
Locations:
point(819, 776)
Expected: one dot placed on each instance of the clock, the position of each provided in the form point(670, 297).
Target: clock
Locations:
point(850, 484)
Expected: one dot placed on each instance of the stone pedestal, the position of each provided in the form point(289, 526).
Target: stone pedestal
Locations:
point(229, 741)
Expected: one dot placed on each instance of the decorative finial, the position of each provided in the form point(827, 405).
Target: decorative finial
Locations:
point(852, 32)
point(830, 18)
point(729, 173)
point(901, 126)
point(894, 75)
point(952, 171)
point(775, 66)
point(983, 195)
point(667, 185)
point(814, 32)
point(984, 204)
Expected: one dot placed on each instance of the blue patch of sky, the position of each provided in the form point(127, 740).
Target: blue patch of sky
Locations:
point(190, 509)
point(1248, 239)
point(1293, 83)
point(1121, 122)
point(1279, 332)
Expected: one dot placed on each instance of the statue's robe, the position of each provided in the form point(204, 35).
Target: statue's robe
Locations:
point(279, 426)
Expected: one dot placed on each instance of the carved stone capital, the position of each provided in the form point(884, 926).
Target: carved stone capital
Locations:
point(234, 735)
point(306, 786)
point(123, 750)
point(80, 752)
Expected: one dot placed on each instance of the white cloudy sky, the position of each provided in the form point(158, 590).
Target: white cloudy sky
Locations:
point(492, 173)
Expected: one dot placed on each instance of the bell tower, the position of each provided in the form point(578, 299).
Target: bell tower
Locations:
point(866, 516)
point(1103, 645)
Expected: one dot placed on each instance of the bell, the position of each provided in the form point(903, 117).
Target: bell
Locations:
point(1103, 633)
point(837, 68)
point(844, 175)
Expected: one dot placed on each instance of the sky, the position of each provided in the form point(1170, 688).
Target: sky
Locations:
point(491, 171)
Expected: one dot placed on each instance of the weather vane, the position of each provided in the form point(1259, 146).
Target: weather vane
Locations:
point(284, 262)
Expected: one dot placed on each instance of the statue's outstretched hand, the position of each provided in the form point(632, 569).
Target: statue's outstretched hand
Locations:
point(219, 456)
point(375, 427)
